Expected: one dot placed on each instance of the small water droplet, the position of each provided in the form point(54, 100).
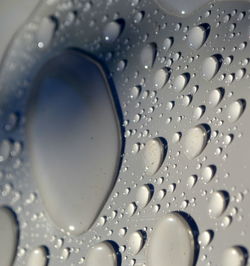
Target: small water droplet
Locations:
point(215, 97)
point(46, 31)
point(38, 257)
point(197, 36)
point(235, 110)
point(181, 82)
point(208, 173)
point(161, 77)
point(210, 67)
point(113, 30)
point(205, 238)
point(143, 196)
point(148, 55)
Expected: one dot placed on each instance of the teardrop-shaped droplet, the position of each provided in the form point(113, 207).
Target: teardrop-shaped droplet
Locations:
point(195, 141)
point(143, 196)
point(235, 110)
point(217, 204)
point(180, 82)
point(46, 31)
point(233, 256)
point(171, 243)
point(148, 55)
point(38, 257)
point(161, 77)
point(153, 155)
point(210, 67)
point(197, 36)
point(103, 254)
point(113, 30)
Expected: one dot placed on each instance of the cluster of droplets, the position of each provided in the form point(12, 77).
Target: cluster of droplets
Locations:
point(182, 87)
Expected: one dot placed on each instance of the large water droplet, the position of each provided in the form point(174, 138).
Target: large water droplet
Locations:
point(217, 204)
point(195, 141)
point(38, 257)
point(171, 243)
point(148, 55)
point(103, 254)
point(210, 67)
point(233, 256)
point(8, 236)
point(197, 36)
point(153, 155)
point(72, 126)
point(113, 30)
point(235, 110)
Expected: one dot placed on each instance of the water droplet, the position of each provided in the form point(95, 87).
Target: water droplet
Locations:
point(208, 173)
point(143, 196)
point(161, 77)
point(153, 155)
point(148, 55)
point(134, 92)
point(198, 112)
point(46, 31)
point(235, 110)
point(113, 30)
point(5, 149)
point(130, 211)
point(197, 36)
point(103, 254)
point(210, 67)
point(8, 236)
point(205, 238)
point(135, 242)
point(191, 181)
point(38, 257)
point(217, 204)
point(215, 97)
point(233, 256)
point(167, 43)
point(181, 82)
point(171, 242)
point(176, 137)
point(73, 106)
point(195, 141)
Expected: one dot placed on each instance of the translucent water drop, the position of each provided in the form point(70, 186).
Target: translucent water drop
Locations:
point(8, 236)
point(153, 155)
point(235, 110)
point(113, 30)
point(46, 31)
point(217, 204)
point(161, 77)
point(103, 254)
point(191, 181)
point(148, 55)
point(67, 126)
point(210, 67)
point(5, 149)
point(215, 97)
point(226, 221)
point(130, 211)
point(228, 139)
point(197, 36)
point(38, 257)
point(167, 43)
point(171, 243)
point(134, 92)
point(233, 256)
point(181, 82)
point(208, 173)
point(195, 141)
point(176, 137)
point(138, 17)
point(143, 196)
point(198, 112)
point(205, 238)
point(186, 100)
point(135, 242)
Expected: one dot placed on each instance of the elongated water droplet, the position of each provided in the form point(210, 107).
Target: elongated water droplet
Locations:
point(161, 77)
point(46, 31)
point(217, 204)
point(38, 257)
point(235, 110)
point(113, 30)
point(153, 155)
point(181, 82)
point(197, 36)
point(215, 97)
point(103, 254)
point(171, 243)
point(66, 114)
point(148, 55)
point(205, 238)
point(167, 43)
point(143, 196)
point(135, 242)
point(195, 141)
point(210, 67)
point(8, 236)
